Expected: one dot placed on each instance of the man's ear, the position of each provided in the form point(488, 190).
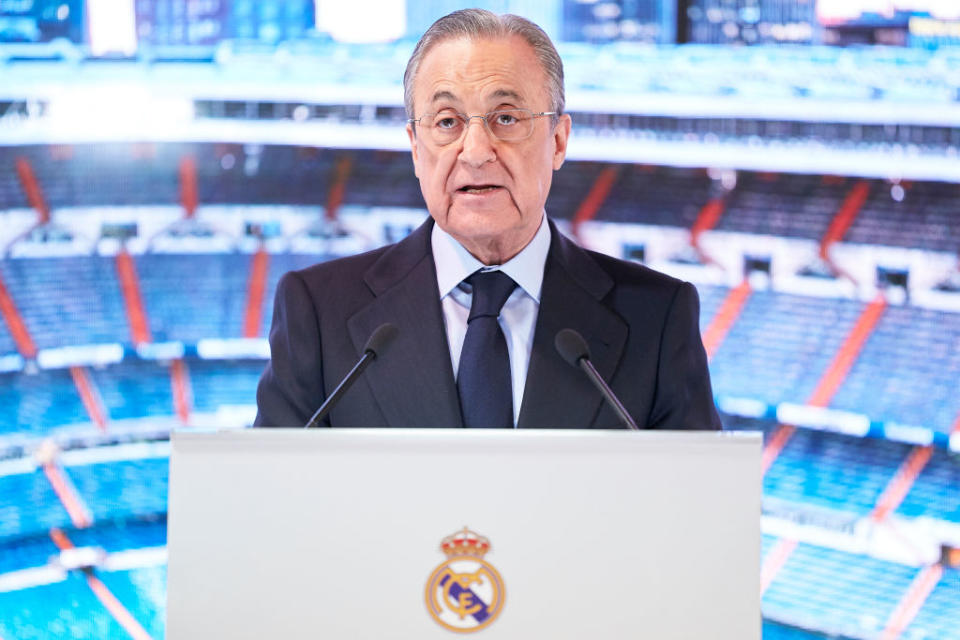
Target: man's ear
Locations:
point(413, 147)
point(561, 134)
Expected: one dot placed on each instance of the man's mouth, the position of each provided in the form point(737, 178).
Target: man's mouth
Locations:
point(478, 188)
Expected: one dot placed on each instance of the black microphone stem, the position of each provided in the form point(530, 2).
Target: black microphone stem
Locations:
point(614, 402)
point(341, 389)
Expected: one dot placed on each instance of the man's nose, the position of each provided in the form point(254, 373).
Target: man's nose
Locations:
point(477, 143)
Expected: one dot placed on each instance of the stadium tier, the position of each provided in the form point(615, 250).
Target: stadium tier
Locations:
point(846, 595)
point(657, 196)
point(123, 489)
point(33, 402)
point(836, 472)
point(912, 214)
point(937, 616)
point(923, 214)
point(64, 609)
point(217, 283)
point(87, 307)
point(46, 401)
point(935, 491)
point(786, 206)
point(892, 381)
point(571, 186)
point(781, 345)
point(36, 508)
point(112, 536)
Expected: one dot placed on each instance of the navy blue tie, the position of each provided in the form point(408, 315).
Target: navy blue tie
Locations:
point(483, 377)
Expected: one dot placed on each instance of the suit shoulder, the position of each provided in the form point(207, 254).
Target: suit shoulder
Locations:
point(335, 270)
point(633, 274)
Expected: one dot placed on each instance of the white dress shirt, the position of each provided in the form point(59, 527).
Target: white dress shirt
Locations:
point(518, 318)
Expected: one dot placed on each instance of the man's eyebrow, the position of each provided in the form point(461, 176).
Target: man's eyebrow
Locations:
point(443, 95)
point(507, 93)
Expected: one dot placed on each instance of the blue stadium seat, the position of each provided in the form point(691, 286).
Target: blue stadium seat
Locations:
point(123, 489)
point(926, 217)
point(66, 609)
point(781, 345)
point(33, 402)
point(938, 616)
point(221, 383)
point(935, 493)
point(143, 592)
point(794, 206)
point(711, 297)
point(663, 196)
point(211, 305)
point(892, 383)
point(833, 471)
point(30, 506)
point(842, 594)
point(67, 301)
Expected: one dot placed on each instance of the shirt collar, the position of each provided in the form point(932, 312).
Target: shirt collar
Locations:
point(454, 263)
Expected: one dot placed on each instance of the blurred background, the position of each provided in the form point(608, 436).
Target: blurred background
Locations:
point(162, 163)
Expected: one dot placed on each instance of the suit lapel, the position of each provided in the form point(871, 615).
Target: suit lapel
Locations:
point(413, 382)
point(557, 395)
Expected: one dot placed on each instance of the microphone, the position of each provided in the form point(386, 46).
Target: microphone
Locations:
point(573, 348)
point(376, 344)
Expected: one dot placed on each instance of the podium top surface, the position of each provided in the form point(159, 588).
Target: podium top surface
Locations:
point(420, 439)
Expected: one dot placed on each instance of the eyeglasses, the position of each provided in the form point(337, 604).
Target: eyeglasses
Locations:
point(508, 125)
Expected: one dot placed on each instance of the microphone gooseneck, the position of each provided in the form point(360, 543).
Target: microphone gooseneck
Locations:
point(376, 344)
point(573, 348)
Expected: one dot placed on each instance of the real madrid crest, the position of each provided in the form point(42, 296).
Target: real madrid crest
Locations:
point(465, 593)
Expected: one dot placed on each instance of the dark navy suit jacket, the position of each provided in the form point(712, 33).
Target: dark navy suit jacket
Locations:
point(641, 327)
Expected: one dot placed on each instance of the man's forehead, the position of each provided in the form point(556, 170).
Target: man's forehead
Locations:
point(494, 68)
point(446, 95)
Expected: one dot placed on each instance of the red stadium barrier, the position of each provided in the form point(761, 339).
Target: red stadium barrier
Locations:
point(912, 601)
point(90, 397)
point(188, 186)
point(255, 293)
point(848, 353)
point(898, 487)
point(708, 218)
point(18, 328)
point(133, 302)
point(845, 216)
point(776, 557)
point(833, 377)
point(724, 318)
point(182, 394)
point(339, 187)
point(31, 187)
point(594, 199)
point(119, 612)
point(79, 514)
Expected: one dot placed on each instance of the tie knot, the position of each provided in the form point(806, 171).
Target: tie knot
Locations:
point(490, 291)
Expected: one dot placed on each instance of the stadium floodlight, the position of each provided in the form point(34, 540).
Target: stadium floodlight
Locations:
point(118, 112)
point(112, 27)
point(362, 21)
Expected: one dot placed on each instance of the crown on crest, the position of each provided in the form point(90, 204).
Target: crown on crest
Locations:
point(465, 543)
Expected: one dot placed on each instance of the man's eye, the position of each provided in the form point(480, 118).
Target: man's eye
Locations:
point(446, 123)
point(506, 118)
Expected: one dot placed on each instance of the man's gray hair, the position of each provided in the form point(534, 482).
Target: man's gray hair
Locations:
point(480, 23)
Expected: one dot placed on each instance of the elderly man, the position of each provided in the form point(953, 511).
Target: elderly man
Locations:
point(481, 289)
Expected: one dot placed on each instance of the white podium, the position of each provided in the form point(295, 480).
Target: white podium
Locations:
point(283, 533)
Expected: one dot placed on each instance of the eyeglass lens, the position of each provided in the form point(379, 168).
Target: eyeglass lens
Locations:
point(505, 124)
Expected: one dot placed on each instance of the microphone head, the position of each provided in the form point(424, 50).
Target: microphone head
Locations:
point(380, 338)
point(571, 346)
